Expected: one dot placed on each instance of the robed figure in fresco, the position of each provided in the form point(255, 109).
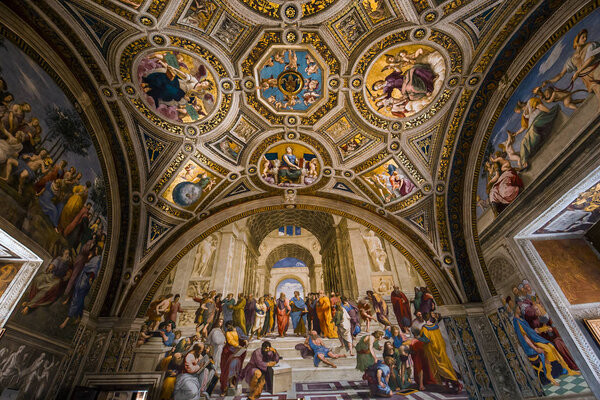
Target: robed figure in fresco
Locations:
point(239, 316)
point(258, 373)
point(289, 170)
point(46, 288)
point(401, 306)
point(233, 356)
point(298, 314)
point(283, 314)
point(380, 307)
point(541, 352)
point(435, 352)
point(171, 85)
point(325, 317)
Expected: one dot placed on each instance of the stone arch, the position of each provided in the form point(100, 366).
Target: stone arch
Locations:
point(318, 223)
point(419, 255)
point(291, 250)
point(303, 282)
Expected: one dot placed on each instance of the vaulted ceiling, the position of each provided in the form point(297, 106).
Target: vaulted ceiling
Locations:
point(197, 101)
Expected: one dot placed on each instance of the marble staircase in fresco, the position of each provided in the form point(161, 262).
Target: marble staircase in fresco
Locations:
point(303, 370)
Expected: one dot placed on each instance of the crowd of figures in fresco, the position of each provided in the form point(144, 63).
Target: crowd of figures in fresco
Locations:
point(551, 90)
point(45, 194)
point(406, 357)
point(539, 339)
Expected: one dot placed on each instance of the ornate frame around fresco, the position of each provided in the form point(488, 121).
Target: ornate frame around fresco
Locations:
point(593, 326)
point(215, 227)
point(11, 251)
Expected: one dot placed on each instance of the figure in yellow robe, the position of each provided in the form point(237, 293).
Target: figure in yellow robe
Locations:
point(239, 318)
point(271, 314)
point(435, 352)
point(324, 314)
point(73, 206)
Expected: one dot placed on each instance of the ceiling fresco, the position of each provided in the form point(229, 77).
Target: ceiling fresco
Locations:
point(363, 102)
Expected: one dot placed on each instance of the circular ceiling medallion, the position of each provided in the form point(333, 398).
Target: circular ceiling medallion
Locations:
point(290, 83)
point(289, 165)
point(177, 86)
point(404, 80)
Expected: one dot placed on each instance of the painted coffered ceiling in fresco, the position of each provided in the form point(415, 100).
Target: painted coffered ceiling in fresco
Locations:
point(221, 102)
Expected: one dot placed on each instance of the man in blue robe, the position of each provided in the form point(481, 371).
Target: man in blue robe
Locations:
point(82, 287)
point(541, 353)
point(298, 314)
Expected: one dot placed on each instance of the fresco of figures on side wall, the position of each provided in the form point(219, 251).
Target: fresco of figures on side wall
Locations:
point(52, 190)
point(564, 83)
point(579, 216)
point(541, 342)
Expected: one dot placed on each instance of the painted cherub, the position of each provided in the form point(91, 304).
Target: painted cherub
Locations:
point(552, 94)
point(292, 64)
point(312, 168)
point(507, 146)
point(396, 106)
point(187, 173)
point(279, 57)
point(266, 83)
point(291, 101)
point(493, 173)
point(311, 85)
point(270, 62)
point(310, 97)
point(402, 61)
point(272, 100)
point(311, 65)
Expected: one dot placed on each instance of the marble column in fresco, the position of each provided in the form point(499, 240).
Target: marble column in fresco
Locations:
point(360, 256)
point(223, 271)
point(318, 276)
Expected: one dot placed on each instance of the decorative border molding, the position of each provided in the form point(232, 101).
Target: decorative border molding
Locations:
point(16, 288)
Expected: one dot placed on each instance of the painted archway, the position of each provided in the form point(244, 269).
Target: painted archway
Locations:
point(288, 285)
point(416, 251)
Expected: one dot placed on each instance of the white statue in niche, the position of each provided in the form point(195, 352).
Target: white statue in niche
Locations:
point(203, 256)
point(376, 251)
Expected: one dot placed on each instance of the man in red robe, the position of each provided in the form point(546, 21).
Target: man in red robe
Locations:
point(401, 307)
point(283, 314)
point(422, 372)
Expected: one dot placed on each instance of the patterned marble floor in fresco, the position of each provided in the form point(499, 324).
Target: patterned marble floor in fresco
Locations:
point(346, 390)
point(569, 385)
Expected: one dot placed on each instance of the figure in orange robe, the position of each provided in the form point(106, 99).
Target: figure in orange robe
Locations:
point(283, 314)
point(324, 314)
